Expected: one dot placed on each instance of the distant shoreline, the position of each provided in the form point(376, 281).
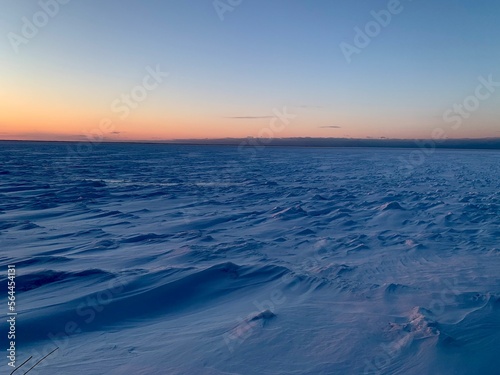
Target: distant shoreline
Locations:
point(259, 143)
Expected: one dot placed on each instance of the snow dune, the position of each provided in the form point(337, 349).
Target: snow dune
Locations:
point(150, 259)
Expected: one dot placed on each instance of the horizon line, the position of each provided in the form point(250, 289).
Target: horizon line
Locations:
point(492, 143)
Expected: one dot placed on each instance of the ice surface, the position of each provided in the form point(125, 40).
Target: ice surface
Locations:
point(162, 259)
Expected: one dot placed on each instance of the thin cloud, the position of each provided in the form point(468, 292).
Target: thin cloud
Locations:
point(249, 117)
point(331, 127)
point(309, 106)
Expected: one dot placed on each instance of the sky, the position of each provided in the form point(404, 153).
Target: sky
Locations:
point(176, 69)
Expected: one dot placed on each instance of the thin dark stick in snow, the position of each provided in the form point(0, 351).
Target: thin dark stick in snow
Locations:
point(36, 364)
point(21, 365)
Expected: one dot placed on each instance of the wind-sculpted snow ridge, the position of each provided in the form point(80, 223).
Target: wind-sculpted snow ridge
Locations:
point(173, 259)
point(167, 292)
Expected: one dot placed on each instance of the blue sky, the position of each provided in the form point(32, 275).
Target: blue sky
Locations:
point(262, 56)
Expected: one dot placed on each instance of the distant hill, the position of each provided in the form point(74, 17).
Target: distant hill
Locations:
point(485, 143)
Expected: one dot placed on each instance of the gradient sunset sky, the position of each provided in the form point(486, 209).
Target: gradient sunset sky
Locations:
point(232, 67)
